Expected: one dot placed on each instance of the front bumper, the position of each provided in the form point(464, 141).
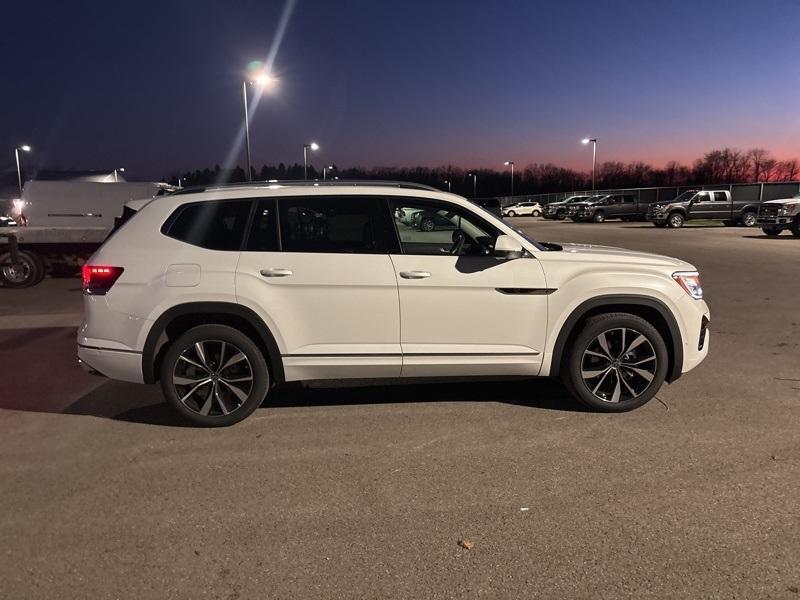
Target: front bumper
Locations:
point(775, 220)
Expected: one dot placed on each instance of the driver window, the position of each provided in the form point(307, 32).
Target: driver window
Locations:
point(438, 228)
point(701, 197)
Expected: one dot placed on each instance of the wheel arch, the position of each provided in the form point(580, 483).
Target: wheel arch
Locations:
point(650, 309)
point(182, 317)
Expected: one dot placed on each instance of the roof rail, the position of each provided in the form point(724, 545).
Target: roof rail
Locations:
point(303, 183)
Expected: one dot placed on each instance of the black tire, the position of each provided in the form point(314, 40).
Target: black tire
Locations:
point(599, 216)
point(561, 215)
point(772, 231)
point(631, 389)
point(427, 224)
point(660, 224)
point(211, 338)
point(795, 227)
point(675, 220)
point(749, 218)
point(29, 271)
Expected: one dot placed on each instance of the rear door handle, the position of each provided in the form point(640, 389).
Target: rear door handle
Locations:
point(276, 272)
point(414, 274)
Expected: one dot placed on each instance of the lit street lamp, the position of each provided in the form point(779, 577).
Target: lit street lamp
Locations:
point(313, 146)
point(325, 171)
point(474, 184)
point(447, 181)
point(593, 141)
point(511, 163)
point(24, 148)
point(116, 177)
point(262, 80)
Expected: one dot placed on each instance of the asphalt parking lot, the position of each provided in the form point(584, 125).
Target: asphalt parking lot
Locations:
point(364, 492)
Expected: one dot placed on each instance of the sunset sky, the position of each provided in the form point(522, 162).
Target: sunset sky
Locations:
point(156, 87)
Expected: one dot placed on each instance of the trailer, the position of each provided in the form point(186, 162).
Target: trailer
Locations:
point(59, 224)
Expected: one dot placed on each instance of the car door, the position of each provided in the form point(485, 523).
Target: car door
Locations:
point(463, 311)
point(722, 207)
point(702, 206)
point(317, 269)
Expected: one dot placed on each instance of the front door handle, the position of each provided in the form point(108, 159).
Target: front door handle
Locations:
point(414, 274)
point(276, 272)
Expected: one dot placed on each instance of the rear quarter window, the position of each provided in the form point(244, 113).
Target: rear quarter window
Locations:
point(215, 225)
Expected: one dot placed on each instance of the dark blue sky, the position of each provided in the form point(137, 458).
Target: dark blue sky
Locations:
point(155, 87)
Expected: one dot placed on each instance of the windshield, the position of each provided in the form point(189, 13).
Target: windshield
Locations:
point(537, 245)
point(685, 196)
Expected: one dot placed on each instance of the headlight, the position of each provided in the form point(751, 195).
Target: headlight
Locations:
point(785, 210)
point(690, 282)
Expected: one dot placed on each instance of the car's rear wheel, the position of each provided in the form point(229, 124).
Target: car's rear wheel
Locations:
point(536, 213)
point(214, 375)
point(427, 224)
point(675, 220)
point(749, 218)
point(617, 362)
point(772, 231)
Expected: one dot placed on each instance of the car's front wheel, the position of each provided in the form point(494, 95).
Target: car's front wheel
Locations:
point(616, 363)
point(795, 227)
point(511, 213)
point(771, 231)
point(675, 220)
point(599, 216)
point(214, 375)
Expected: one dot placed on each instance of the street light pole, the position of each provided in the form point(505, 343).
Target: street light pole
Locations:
point(474, 184)
point(24, 148)
point(312, 146)
point(594, 156)
point(325, 172)
point(262, 80)
point(511, 163)
point(447, 181)
point(246, 129)
point(116, 178)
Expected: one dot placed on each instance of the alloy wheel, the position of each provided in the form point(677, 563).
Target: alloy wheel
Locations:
point(213, 378)
point(619, 365)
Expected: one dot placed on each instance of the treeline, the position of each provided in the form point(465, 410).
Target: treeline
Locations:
point(728, 165)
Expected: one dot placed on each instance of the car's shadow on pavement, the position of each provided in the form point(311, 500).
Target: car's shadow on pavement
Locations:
point(137, 404)
point(770, 237)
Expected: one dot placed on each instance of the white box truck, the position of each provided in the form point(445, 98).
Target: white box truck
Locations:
point(59, 224)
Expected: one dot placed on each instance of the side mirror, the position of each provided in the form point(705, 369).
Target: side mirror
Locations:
point(507, 248)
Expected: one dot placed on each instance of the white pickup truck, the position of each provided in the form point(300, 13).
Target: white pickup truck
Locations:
point(57, 225)
point(776, 215)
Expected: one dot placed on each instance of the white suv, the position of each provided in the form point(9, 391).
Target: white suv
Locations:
point(222, 293)
point(522, 209)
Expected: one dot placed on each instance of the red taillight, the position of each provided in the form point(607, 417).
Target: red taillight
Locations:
point(98, 279)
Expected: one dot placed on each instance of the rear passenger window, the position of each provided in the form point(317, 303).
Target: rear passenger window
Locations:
point(216, 225)
point(264, 231)
point(720, 197)
point(334, 224)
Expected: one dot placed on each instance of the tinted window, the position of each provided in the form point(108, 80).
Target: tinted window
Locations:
point(627, 199)
point(335, 224)
point(216, 225)
point(429, 227)
point(264, 231)
point(701, 197)
point(720, 197)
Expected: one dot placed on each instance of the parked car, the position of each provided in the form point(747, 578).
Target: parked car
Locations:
point(599, 209)
point(523, 209)
point(703, 204)
point(574, 207)
point(221, 293)
point(432, 220)
point(776, 215)
point(558, 210)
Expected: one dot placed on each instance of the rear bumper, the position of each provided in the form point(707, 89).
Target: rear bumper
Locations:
point(116, 364)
